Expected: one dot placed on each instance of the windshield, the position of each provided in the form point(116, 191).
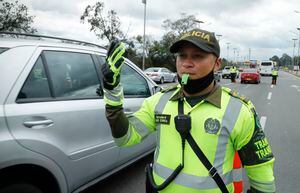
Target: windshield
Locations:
point(266, 63)
point(3, 50)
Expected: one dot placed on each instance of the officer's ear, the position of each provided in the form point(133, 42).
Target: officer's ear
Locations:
point(217, 64)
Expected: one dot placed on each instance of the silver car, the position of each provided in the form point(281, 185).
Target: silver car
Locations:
point(161, 75)
point(54, 136)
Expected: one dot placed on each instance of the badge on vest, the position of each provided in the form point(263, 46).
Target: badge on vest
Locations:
point(212, 126)
point(162, 119)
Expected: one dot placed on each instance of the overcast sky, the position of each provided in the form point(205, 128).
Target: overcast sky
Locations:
point(267, 27)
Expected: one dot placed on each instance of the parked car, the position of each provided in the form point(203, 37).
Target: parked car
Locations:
point(54, 134)
point(217, 75)
point(161, 75)
point(250, 75)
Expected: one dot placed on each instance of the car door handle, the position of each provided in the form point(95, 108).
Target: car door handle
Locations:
point(31, 124)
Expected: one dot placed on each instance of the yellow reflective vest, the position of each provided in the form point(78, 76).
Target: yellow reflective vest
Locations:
point(222, 123)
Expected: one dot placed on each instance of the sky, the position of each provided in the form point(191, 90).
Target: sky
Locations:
point(256, 28)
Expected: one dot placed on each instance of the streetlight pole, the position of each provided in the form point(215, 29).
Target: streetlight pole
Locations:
point(199, 22)
point(144, 2)
point(228, 43)
point(294, 45)
point(249, 54)
point(234, 58)
point(298, 61)
point(218, 37)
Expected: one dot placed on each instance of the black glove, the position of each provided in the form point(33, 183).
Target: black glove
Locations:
point(112, 67)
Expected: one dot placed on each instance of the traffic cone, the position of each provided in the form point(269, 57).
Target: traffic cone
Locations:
point(237, 174)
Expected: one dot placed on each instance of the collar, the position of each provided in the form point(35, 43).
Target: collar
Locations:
point(214, 97)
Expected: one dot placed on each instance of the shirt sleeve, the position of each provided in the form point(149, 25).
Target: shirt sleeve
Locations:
point(255, 152)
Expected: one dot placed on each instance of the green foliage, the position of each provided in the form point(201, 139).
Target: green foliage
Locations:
point(103, 26)
point(14, 17)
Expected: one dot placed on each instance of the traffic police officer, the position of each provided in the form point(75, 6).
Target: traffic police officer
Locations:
point(232, 73)
point(219, 120)
point(274, 75)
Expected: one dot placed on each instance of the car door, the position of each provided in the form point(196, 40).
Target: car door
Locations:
point(54, 110)
point(136, 88)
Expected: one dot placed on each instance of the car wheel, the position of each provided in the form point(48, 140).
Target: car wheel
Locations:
point(20, 187)
point(162, 80)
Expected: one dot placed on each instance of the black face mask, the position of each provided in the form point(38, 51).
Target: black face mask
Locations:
point(198, 85)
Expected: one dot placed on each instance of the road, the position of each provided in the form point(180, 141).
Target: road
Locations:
point(279, 109)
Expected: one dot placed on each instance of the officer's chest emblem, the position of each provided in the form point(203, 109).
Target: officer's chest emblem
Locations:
point(212, 126)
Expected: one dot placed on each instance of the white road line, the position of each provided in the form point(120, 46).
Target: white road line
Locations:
point(263, 122)
point(269, 96)
point(272, 85)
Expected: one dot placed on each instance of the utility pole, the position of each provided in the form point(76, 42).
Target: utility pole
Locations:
point(144, 2)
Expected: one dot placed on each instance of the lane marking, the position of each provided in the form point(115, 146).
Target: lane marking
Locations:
point(272, 85)
point(262, 121)
point(269, 96)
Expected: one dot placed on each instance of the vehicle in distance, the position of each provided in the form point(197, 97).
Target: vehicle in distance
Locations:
point(54, 134)
point(226, 72)
point(266, 67)
point(161, 74)
point(250, 75)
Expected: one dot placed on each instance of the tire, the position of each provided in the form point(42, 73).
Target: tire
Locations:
point(20, 188)
point(162, 80)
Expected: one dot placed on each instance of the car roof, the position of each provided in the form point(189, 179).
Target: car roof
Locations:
point(10, 40)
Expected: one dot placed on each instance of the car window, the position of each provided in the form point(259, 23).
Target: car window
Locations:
point(133, 83)
point(73, 74)
point(36, 84)
point(3, 50)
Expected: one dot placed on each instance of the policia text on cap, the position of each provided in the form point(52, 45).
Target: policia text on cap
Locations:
point(199, 124)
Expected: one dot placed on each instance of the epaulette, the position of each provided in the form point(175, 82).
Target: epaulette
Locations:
point(173, 87)
point(237, 95)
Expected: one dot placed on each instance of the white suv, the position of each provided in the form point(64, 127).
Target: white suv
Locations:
point(54, 137)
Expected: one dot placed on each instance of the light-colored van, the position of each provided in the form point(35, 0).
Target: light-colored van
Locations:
point(265, 68)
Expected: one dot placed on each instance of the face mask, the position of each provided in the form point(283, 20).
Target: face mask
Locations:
point(198, 85)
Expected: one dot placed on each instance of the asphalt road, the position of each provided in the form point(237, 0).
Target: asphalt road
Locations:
point(279, 109)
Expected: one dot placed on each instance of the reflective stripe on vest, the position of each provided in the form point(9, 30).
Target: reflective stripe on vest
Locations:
point(139, 126)
point(228, 121)
point(191, 181)
point(158, 110)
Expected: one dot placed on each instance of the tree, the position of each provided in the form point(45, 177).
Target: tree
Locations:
point(14, 17)
point(276, 59)
point(286, 60)
point(103, 26)
point(182, 25)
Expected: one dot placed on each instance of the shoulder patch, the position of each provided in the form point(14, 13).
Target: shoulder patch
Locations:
point(173, 87)
point(236, 95)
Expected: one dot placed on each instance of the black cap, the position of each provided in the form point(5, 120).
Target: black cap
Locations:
point(204, 40)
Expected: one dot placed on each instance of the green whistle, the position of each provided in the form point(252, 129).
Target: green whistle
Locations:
point(184, 79)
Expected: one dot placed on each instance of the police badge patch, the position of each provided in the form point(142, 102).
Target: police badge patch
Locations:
point(212, 126)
